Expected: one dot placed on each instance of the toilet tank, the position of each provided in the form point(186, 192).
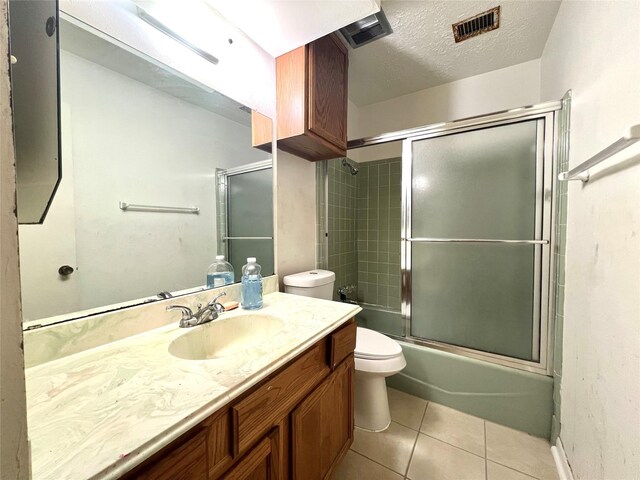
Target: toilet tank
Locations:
point(314, 283)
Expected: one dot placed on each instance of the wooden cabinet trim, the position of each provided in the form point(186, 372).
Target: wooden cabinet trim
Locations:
point(186, 462)
point(261, 131)
point(257, 462)
point(219, 448)
point(342, 343)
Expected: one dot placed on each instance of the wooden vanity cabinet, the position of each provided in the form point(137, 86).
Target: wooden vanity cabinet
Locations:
point(311, 99)
point(296, 424)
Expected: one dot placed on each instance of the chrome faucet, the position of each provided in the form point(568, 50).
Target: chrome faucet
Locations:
point(204, 314)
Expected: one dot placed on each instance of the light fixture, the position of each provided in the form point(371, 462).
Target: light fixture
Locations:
point(154, 22)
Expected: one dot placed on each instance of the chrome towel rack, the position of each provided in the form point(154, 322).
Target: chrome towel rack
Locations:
point(247, 238)
point(581, 172)
point(124, 206)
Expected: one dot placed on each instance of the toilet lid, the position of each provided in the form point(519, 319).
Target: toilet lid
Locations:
point(374, 345)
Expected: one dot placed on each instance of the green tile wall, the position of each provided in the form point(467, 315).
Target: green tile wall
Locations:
point(341, 221)
point(378, 224)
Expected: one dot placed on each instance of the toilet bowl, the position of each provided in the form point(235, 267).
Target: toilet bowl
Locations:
point(376, 357)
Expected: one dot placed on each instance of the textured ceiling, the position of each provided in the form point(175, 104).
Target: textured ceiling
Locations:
point(421, 52)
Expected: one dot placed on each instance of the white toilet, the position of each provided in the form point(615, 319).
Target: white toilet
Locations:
point(376, 356)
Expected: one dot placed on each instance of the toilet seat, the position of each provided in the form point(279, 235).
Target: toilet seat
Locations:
point(372, 345)
point(377, 354)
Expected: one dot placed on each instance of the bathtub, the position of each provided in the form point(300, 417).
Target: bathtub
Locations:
point(511, 397)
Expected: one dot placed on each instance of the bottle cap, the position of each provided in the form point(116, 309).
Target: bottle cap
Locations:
point(219, 257)
point(251, 260)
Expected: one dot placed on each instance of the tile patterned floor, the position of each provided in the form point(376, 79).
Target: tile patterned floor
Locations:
point(427, 441)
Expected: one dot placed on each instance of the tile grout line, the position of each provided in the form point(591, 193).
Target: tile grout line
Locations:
point(486, 466)
point(450, 444)
point(374, 461)
point(406, 472)
point(515, 470)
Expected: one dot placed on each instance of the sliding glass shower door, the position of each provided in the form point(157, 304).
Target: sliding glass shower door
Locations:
point(476, 238)
point(247, 220)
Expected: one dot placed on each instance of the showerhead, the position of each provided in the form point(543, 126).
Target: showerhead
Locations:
point(352, 169)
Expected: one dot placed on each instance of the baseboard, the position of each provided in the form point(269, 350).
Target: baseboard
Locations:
point(562, 464)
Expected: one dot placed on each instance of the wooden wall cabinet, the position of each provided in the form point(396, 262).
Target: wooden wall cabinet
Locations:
point(296, 424)
point(311, 99)
point(261, 131)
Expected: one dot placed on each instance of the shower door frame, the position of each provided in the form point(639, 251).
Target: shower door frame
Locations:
point(548, 113)
point(223, 191)
point(542, 249)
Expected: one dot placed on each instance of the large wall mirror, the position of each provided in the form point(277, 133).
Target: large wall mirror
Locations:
point(158, 177)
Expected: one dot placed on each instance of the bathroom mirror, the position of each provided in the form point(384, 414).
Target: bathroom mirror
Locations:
point(155, 166)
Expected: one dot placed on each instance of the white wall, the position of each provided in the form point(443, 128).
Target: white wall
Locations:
point(510, 87)
point(594, 49)
point(14, 457)
point(132, 143)
point(295, 214)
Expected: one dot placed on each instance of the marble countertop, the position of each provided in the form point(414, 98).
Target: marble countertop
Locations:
point(100, 412)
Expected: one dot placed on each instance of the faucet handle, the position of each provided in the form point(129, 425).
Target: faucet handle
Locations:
point(215, 304)
point(187, 313)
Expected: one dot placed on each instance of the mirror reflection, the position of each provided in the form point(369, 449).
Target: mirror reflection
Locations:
point(35, 102)
point(158, 178)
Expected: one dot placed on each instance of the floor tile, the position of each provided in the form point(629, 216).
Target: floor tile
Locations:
point(406, 409)
point(436, 460)
point(520, 451)
point(391, 448)
point(454, 427)
point(354, 467)
point(499, 472)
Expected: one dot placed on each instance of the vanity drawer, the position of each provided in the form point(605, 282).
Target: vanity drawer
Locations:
point(342, 343)
point(254, 415)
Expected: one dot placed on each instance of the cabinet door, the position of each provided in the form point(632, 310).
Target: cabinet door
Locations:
point(261, 463)
point(328, 69)
point(322, 425)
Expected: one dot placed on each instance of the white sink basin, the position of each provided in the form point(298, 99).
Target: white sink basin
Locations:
point(225, 336)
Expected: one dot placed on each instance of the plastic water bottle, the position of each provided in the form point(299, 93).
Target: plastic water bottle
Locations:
point(251, 285)
point(220, 273)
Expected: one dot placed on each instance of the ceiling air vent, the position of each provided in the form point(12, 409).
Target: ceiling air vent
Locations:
point(367, 30)
point(481, 23)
